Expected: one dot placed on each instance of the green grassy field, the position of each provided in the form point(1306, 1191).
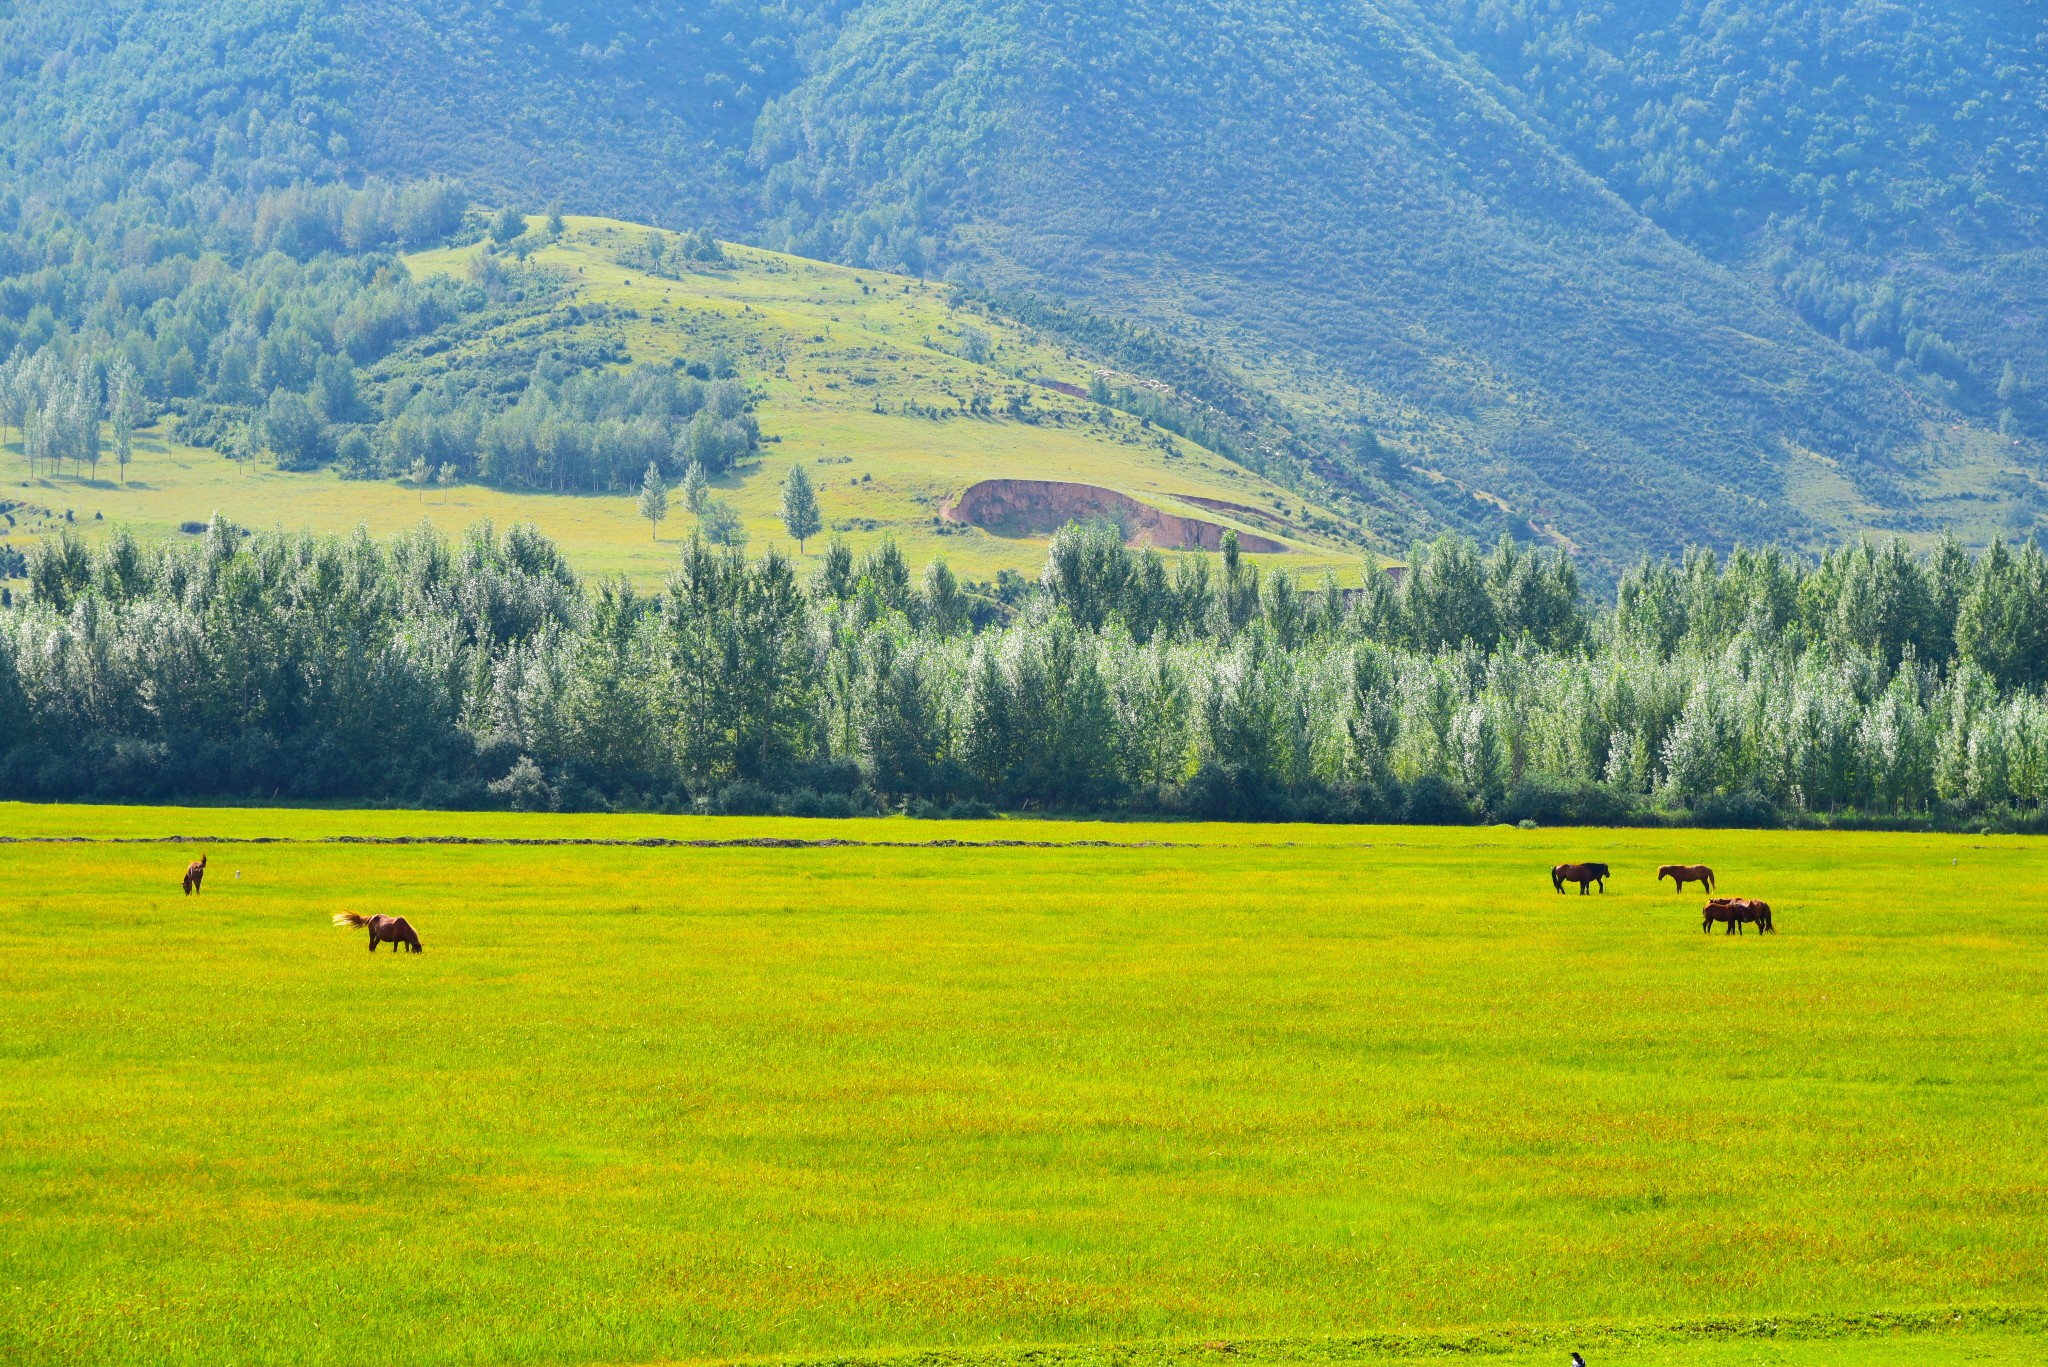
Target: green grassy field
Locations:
point(835, 356)
point(1287, 1094)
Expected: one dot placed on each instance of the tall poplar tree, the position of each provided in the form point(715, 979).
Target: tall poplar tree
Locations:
point(654, 499)
point(800, 506)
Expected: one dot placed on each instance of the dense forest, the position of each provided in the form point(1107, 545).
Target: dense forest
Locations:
point(1872, 685)
point(1491, 267)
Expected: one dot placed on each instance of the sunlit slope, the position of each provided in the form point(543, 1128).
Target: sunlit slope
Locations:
point(865, 377)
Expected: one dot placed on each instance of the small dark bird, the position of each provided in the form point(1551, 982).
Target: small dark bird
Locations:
point(1578, 1361)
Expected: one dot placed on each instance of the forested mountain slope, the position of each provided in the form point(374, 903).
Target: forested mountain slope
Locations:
point(1625, 275)
point(1884, 163)
point(1325, 195)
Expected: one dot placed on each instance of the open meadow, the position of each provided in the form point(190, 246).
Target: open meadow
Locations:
point(1184, 1094)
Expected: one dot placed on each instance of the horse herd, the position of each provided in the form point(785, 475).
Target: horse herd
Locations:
point(1735, 912)
point(395, 931)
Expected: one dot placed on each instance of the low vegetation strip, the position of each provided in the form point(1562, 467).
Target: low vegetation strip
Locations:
point(758, 842)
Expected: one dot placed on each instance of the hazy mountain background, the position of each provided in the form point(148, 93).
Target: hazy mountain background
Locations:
point(1625, 276)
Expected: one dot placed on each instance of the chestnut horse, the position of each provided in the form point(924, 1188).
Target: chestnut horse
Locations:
point(391, 930)
point(1738, 912)
point(194, 872)
point(1582, 874)
point(1681, 874)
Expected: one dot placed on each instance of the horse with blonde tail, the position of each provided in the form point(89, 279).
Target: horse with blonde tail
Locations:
point(391, 930)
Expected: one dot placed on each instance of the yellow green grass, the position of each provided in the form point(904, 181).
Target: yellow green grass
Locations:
point(822, 346)
point(171, 484)
point(1314, 1093)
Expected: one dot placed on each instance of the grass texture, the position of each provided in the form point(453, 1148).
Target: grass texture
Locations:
point(1201, 1092)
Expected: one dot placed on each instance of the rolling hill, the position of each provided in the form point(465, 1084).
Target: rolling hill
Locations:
point(858, 375)
point(1619, 280)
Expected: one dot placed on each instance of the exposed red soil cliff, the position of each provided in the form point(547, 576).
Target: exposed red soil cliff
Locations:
point(1037, 507)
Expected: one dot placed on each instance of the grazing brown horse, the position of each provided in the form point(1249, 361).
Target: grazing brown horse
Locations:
point(1738, 912)
point(1582, 874)
point(194, 872)
point(391, 930)
point(1681, 874)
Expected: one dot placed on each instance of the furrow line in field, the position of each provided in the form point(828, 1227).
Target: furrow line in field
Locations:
point(1939, 1322)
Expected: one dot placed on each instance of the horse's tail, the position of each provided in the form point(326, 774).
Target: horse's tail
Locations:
point(350, 918)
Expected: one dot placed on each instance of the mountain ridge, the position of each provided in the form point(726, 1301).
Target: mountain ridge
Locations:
point(1400, 220)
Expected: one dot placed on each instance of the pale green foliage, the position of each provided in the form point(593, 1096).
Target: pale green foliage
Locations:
point(800, 516)
point(720, 522)
point(653, 498)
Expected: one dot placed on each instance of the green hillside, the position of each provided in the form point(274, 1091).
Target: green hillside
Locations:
point(1620, 281)
point(893, 397)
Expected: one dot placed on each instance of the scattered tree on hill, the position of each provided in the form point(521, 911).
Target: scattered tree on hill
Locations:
point(721, 524)
point(124, 409)
point(654, 499)
point(800, 506)
point(508, 225)
point(696, 488)
point(293, 431)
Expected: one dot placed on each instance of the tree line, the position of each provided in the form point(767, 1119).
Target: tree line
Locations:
point(1873, 684)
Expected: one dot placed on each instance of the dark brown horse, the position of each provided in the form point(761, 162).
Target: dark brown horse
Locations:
point(1681, 874)
point(1738, 912)
point(391, 930)
point(1582, 874)
point(194, 872)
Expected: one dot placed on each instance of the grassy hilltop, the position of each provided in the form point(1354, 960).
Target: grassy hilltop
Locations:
point(895, 398)
point(1310, 1094)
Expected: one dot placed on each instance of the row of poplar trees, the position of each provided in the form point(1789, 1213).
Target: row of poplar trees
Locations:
point(1873, 684)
